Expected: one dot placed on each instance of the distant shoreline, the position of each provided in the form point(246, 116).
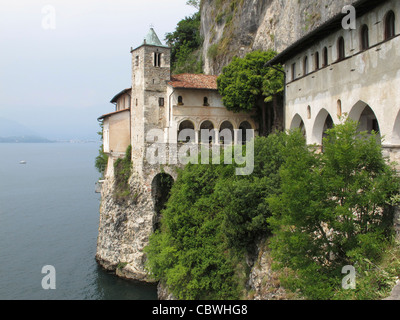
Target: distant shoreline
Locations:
point(17, 140)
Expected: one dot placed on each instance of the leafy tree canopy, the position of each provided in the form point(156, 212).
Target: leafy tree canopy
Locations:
point(185, 42)
point(333, 209)
point(247, 83)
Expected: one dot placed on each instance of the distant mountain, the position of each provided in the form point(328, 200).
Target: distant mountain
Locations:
point(12, 131)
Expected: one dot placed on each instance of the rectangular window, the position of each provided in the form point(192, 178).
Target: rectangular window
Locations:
point(161, 102)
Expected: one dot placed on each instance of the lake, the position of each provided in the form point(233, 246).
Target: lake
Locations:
point(49, 215)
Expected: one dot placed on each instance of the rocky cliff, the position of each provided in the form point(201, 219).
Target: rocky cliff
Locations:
point(124, 229)
point(236, 27)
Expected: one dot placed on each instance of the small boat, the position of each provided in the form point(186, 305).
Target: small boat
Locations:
point(22, 162)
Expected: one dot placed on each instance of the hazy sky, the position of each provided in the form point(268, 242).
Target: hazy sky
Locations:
point(61, 61)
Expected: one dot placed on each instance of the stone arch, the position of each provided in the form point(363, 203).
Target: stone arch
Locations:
point(243, 126)
point(186, 124)
point(226, 133)
point(160, 191)
point(363, 113)
point(210, 136)
point(322, 122)
point(298, 123)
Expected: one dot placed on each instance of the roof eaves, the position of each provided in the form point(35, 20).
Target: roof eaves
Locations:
point(331, 25)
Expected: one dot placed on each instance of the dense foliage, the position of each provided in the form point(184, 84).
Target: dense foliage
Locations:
point(247, 83)
point(212, 218)
point(185, 43)
point(333, 209)
point(320, 212)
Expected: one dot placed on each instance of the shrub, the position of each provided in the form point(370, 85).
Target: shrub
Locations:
point(333, 207)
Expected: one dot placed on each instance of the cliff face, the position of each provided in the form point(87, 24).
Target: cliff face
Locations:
point(235, 27)
point(124, 230)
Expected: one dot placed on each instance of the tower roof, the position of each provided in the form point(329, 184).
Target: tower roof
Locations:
point(152, 39)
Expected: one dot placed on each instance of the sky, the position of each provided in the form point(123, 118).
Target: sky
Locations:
point(62, 61)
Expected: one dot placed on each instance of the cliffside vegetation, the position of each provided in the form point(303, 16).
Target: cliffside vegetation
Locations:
point(318, 212)
point(122, 173)
point(247, 83)
point(213, 218)
point(186, 43)
point(102, 159)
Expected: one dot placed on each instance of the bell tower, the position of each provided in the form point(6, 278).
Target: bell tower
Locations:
point(151, 72)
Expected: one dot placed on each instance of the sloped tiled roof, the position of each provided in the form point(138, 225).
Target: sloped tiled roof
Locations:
point(194, 81)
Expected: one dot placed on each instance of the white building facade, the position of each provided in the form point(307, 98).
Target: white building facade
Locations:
point(334, 72)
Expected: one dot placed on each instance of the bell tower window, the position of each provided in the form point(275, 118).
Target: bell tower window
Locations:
point(157, 59)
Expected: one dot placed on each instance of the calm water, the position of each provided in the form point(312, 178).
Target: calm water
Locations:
point(49, 215)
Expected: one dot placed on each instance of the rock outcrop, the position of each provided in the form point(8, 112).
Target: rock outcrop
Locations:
point(236, 27)
point(124, 230)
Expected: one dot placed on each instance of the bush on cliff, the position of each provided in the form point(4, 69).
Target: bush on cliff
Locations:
point(334, 209)
point(212, 219)
point(322, 211)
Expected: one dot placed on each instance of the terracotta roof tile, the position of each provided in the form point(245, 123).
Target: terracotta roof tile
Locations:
point(194, 81)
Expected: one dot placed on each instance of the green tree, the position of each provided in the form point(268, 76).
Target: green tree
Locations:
point(213, 218)
point(333, 209)
point(185, 43)
point(247, 83)
point(194, 3)
point(189, 254)
point(102, 159)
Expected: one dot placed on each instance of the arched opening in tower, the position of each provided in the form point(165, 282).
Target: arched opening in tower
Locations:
point(160, 189)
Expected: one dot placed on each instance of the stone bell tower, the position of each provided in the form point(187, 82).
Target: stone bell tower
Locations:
point(151, 72)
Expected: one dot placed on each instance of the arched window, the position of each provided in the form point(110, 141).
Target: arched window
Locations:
point(205, 102)
point(186, 131)
point(180, 101)
point(325, 57)
point(244, 126)
point(364, 37)
point(305, 65)
point(316, 61)
point(341, 49)
point(207, 132)
point(226, 133)
point(390, 25)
